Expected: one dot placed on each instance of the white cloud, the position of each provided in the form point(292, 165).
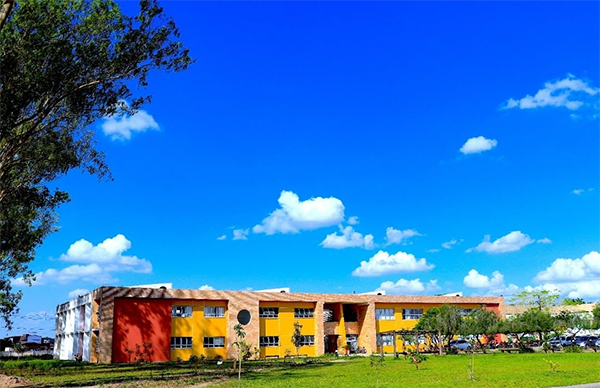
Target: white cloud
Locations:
point(295, 215)
point(449, 244)
point(80, 291)
point(582, 191)
point(222, 237)
point(121, 128)
point(544, 240)
point(353, 220)
point(395, 236)
point(571, 93)
point(100, 261)
point(348, 238)
point(495, 284)
point(109, 254)
point(476, 145)
point(585, 268)
point(384, 263)
point(205, 287)
point(434, 250)
point(589, 290)
point(513, 241)
point(404, 286)
point(240, 234)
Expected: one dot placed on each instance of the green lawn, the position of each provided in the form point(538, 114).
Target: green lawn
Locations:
point(491, 370)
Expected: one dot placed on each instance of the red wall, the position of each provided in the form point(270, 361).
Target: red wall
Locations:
point(138, 321)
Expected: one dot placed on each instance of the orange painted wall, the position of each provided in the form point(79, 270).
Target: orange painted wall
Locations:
point(141, 320)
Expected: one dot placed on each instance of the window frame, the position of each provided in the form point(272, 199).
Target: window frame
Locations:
point(385, 339)
point(207, 345)
point(214, 313)
point(269, 341)
point(307, 340)
point(304, 312)
point(181, 342)
point(262, 312)
point(411, 314)
point(187, 311)
point(384, 314)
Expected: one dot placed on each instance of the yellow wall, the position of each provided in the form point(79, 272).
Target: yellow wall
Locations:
point(198, 327)
point(284, 328)
point(399, 324)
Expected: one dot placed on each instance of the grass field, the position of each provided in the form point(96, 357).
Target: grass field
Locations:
point(491, 370)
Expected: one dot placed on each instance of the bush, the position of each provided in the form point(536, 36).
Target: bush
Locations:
point(526, 349)
point(572, 349)
point(452, 351)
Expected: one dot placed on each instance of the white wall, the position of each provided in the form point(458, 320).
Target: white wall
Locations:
point(74, 328)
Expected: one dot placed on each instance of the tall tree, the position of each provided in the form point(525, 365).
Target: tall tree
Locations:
point(538, 299)
point(480, 323)
point(446, 320)
point(65, 64)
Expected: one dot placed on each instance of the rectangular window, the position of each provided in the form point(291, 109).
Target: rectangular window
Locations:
point(385, 339)
point(214, 312)
point(412, 314)
point(214, 342)
point(181, 342)
point(384, 314)
point(268, 312)
point(303, 313)
point(269, 341)
point(307, 340)
point(181, 311)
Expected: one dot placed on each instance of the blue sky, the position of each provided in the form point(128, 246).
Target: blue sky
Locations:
point(324, 135)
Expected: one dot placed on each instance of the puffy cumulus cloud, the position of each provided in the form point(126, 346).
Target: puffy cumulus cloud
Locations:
point(396, 236)
point(96, 263)
point(589, 289)
point(109, 254)
point(240, 234)
point(512, 242)
point(404, 286)
point(383, 263)
point(348, 238)
point(584, 268)
point(295, 215)
point(80, 291)
point(570, 92)
point(477, 145)
point(205, 287)
point(495, 284)
point(121, 128)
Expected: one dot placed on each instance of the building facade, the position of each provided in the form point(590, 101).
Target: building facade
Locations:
point(162, 324)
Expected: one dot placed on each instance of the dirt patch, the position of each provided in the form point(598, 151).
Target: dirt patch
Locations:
point(13, 381)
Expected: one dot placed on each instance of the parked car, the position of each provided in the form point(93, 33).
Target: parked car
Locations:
point(461, 344)
point(582, 341)
point(593, 343)
point(555, 343)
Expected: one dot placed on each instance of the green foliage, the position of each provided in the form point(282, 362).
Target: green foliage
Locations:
point(65, 64)
point(572, 349)
point(297, 337)
point(538, 299)
point(446, 320)
point(596, 316)
point(376, 361)
point(553, 365)
point(569, 320)
point(572, 301)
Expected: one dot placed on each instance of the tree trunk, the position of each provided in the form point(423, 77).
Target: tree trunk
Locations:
point(7, 6)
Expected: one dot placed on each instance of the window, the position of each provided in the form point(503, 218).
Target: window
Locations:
point(384, 314)
point(214, 312)
point(214, 342)
point(412, 314)
point(181, 311)
point(269, 341)
point(181, 342)
point(385, 339)
point(268, 312)
point(304, 313)
point(307, 340)
point(465, 312)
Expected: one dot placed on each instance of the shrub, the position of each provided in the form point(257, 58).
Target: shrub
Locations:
point(525, 349)
point(553, 365)
point(572, 349)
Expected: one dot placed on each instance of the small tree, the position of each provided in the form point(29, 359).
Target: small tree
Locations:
point(538, 299)
point(572, 322)
point(480, 323)
point(596, 317)
point(19, 348)
point(376, 361)
point(239, 344)
point(297, 337)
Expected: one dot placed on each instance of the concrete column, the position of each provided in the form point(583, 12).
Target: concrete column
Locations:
point(319, 329)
